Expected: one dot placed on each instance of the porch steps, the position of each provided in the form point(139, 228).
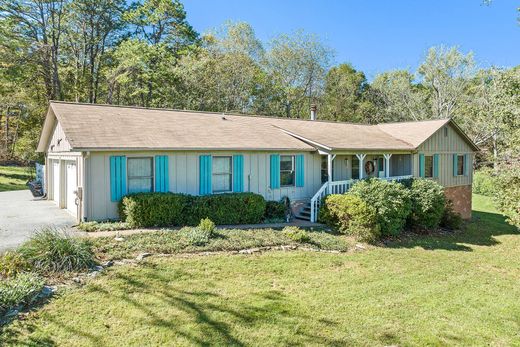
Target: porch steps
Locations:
point(304, 213)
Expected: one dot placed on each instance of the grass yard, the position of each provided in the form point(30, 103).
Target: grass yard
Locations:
point(14, 178)
point(455, 289)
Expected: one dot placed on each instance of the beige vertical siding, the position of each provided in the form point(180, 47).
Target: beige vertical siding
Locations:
point(58, 136)
point(446, 146)
point(184, 177)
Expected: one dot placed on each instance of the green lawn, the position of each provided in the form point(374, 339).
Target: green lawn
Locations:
point(456, 289)
point(14, 178)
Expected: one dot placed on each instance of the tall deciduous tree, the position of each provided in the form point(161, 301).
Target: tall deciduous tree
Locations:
point(298, 64)
point(446, 72)
point(344, 94)
point(400, 98)
point(39, 24)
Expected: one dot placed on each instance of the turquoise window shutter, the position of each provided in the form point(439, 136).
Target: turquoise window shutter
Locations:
point(466, 164)
point(300, 170)
point(275, 171)
point(117, 177)
point(238, 173)
point(436, 162)
point(421, 165)
point(205, 167)
point(162, 179)
point(455, 162)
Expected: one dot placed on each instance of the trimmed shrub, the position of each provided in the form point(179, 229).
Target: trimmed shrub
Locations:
point(18, 290)
point(275, 210)
point(207, 225)
point(232, 208)
point(450, 219)
point(391, 201)
point(156, 209)
point(12, 263)
point(50, 251)
point(168, 209)
point(296, 234)
point(484, 182)
point(351, 215)
point(428, 202)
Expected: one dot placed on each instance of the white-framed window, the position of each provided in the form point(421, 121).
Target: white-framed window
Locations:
point(460, 165)
point(140, 174)
point(428, 166)
point(287, 170)
point(222, 174)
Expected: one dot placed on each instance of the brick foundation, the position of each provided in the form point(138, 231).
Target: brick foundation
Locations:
point(460, 196)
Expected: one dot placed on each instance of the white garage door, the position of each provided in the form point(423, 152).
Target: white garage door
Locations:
point(56, 181)
point(71, 185)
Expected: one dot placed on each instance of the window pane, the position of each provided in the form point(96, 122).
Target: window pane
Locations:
point(460, 165)
point(355, 168)
point(324, 169)
point(287, 178)
point(139, 185)
point(428, 166)
point(221, 183)
point(286, 162)
point(221, 165)
point(139, 167)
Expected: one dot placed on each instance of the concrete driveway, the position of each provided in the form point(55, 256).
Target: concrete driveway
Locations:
point(21, 215)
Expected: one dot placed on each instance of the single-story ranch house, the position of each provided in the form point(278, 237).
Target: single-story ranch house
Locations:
point(96, 154)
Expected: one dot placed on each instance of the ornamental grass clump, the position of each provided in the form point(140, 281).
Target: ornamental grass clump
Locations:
point(51, 251)
point(18, 290)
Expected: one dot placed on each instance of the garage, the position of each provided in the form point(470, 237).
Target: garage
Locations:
point(71, 185)
point(56, 181)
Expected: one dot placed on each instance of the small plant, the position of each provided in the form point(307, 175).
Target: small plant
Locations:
point(207, 225)
point(296, 234)
point(12, 263)
point(451, 219)
point(50, 251)
point(18, 290)
point(196, 236)
point(275, 211)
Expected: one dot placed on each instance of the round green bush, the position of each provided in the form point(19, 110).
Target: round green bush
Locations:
point(275, 210)
point(428, 203)
point(351, 215)
point(391, 201)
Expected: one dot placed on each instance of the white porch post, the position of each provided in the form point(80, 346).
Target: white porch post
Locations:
point(387, 164)
point(361, 157)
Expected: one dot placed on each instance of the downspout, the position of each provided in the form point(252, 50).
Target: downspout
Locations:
point(83, 194)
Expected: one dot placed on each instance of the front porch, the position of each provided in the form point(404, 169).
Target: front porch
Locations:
point(341, 170)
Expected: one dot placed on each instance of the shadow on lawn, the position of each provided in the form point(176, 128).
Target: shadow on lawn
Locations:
point(164, 303)
point(480, 231)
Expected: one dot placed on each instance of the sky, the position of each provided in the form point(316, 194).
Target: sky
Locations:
point(377, 35)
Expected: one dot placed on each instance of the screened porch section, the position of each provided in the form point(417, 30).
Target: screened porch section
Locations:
point(340, 171)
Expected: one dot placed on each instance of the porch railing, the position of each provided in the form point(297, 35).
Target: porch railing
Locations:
point(339, 187)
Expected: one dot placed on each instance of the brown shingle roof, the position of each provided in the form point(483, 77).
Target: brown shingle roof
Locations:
point(90, 127)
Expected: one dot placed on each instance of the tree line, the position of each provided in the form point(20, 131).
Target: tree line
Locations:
point(147, 54)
